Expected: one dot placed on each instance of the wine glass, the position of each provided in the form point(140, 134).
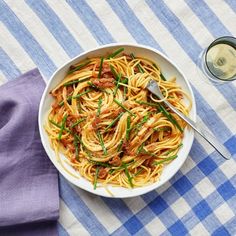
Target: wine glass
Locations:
point(218, 60)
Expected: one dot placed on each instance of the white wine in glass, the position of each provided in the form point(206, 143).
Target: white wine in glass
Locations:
point(218, 61)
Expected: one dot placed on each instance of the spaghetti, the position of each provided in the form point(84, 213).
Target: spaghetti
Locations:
point(109, 127)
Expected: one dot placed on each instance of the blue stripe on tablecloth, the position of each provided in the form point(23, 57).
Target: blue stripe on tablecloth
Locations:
point(8, 68)
point(221, 231)
point(187, 41)
point(176, 28)
point(208, 18)
point(92, 22)
point(232, 4)
point(27, 41)
point(80, 210)
point(61, 230)
point(56, 27)
point(136, 28)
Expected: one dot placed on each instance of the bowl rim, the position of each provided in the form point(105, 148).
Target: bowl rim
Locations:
point(121, 44)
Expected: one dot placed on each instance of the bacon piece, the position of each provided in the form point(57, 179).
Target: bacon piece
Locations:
point(95, 122)
point(128, 57)
point(102, 174)
point(126, 149)
point(104, 82)
point(72, 67)
point(69, 89)
point(64, 142)
point(115, 161)
point(116, 113)
point(78, 129)
point(149, 163)
point(55, 105)
point(71, 147)
point(70, 121)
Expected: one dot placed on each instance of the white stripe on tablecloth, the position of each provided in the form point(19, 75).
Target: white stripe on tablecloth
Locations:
point(174, 51)
point(228, 168)
point(224, 213)
point(108, 220)
point(225, 14)
point(3, 79)
point(115, 26)
point(15, 51)
point(188, 18)
point(199, 229)
point(135, 204)
point(73, 24)
point(69, 221)
point(155, 227)
point(39, 31)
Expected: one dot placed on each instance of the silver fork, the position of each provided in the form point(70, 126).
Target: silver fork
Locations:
point(153, 87)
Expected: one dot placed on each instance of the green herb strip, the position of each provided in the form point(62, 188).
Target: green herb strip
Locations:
point(98, 163)
point(81, 94)
point(115, 53)
point(114, 121)
point(138, 65)
point(78, 122)
point(161, 75)
point(128, 129)
point(100, 68)
point(101, 142)
point(165, 160)
point(125, 92)
point(147, 103)
point(62, 127)
point(76, 148)
point(120, 145)
point(75, 97)
point(161, 129)
point(118, 103)
point(164, 112)
point(137, 173)
point(96, 178)
point(79, 67)
point(76, 81)
point(140, 148)
point(59, 126)
point(117, 84)
point(122, 167)
point(93, 86)
point(170, 151)
point(143, 121)
point(170, 117)
point(99, 106)
point(113, 71)
point(128, 176)
point(75, 136)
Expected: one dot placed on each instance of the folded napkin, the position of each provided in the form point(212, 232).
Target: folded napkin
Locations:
point(29, 196)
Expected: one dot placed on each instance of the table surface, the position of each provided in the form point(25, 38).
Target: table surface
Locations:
point(201, 198)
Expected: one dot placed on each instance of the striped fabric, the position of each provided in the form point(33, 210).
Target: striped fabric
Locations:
point(201, 198)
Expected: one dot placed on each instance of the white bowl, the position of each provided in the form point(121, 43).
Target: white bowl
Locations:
point(168, 68)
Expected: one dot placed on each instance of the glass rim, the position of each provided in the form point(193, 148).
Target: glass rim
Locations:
point(213, 44)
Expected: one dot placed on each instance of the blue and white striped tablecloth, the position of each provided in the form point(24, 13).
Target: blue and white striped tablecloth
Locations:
point(201, 198)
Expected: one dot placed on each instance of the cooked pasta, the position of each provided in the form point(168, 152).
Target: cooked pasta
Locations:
point(109, 127)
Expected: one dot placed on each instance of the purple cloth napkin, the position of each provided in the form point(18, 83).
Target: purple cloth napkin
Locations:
point(29, 196)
